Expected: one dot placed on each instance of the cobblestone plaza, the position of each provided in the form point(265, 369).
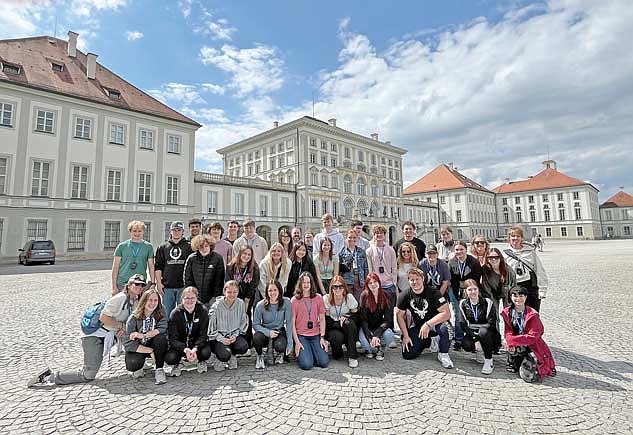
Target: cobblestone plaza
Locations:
point(587, 324)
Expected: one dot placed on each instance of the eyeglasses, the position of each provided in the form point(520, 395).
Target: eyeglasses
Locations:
point(493, 257)
point(140, 284)
point(481, 242)
point(406, 251)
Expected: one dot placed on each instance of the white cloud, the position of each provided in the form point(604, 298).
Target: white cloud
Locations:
point(133, 35)
point(206, 115)
point(212, 88)
point(257, 70)
point(85, 8)
point(22, 19)
point(185, 7)
point(170, 93)
point(218, 29)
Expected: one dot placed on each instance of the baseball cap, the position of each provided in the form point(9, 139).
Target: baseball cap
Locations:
point(195, 221)
point(431, 249)
point(137, 279)
point(177, 225)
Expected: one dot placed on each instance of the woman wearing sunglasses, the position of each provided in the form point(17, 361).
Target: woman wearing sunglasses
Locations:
point(479, 248)
point(340, 323)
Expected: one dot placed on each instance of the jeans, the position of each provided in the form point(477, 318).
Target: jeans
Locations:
point(338, 335)
point(386, 339)
point(224, 352)
point(136, 360)
point(488, 337)
point(260, 341)
point(418, 344)
point(171, 298)
point(312, 353)
point(173, 357)
point(93, 356)
point(459, 334)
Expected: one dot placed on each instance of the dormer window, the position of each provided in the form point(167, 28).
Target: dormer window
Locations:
point(57, 67)
point(10, 68)
point(113, 94)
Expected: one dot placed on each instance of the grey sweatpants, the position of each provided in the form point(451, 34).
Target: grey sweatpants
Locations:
point(93, 355)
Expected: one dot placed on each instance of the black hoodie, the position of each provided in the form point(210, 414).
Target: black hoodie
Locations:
point(170, 259)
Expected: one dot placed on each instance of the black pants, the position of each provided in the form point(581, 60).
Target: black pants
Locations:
point(135, 360)
point(173, 356)
point(532, 295)
point(224, 352)
point(338, 335)
point(488, 337)
point(522, 360)
point(260, 341)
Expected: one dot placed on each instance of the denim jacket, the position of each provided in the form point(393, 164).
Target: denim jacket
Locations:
point(346, 257)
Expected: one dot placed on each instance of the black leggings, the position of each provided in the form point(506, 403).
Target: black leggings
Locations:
point(260, 341)
point(532, 295)
point(522, 360)
point(173, 356)
point(488, 337)
point(224, 352)
point(136, 360)
point(338, 335)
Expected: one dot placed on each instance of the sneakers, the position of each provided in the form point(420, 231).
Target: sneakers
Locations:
point(488, 367)
point(259, 362)
point(248, 353)
point(380, 355)
point(393, 345)
point(218, 365)
point(149, 364)
point(202, 367)
point(445, 359)
point(435, 344)
point(232, 363)
point(352, 362)
point(159, 377)
point(138, 374)
point(279, 359)
point(40, 378)
point(369, 355)
point(174, 371)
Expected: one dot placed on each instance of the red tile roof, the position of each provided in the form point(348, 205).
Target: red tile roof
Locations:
point(548, 178)
point(34, 56)
point(620, 199)
point(441, 178)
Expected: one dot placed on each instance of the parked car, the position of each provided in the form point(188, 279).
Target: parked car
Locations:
point(37, 251)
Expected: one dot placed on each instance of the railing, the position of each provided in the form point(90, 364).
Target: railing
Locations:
point(209, 178)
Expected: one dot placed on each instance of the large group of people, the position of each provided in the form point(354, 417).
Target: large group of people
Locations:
point(211, 297)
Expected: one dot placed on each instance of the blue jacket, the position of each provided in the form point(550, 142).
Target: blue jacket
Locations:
point(346, 257)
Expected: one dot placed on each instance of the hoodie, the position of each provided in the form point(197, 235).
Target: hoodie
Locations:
point(170, 259)
point(527, 254)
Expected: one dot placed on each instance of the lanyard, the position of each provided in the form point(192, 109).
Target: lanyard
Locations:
point(146, 324)
point(244, 273)
point(309, 310)
point(324, 266)
point(520, 322)
point(189, 325)
point(136, 251)
point(381, 254)
point(475, 309)
point(338, 310)
point(462, 267)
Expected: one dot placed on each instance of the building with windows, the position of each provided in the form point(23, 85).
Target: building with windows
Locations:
point(616, 215)
point(82, 151)
point(332, 170)
point(549, 203)
point(463, 204)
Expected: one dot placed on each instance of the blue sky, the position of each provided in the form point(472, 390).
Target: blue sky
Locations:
point(488, 85)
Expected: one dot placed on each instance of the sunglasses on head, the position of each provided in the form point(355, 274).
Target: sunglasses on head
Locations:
point(480, 242)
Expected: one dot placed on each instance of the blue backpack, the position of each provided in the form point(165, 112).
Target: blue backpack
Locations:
point(90, 321)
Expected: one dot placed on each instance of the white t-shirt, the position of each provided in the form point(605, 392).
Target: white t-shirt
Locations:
point(335, 311)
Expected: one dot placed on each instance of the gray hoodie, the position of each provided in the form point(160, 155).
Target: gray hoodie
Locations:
point(527, 254)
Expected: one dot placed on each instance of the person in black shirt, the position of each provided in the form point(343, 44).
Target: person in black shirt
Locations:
point(301, 262)
point(429, 311)
point(204, 269)
point(408, 231)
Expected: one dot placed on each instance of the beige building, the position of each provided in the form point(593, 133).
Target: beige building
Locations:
point(616, 215)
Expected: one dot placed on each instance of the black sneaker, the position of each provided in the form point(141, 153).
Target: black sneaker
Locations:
point(40, 378)
point(457, 346)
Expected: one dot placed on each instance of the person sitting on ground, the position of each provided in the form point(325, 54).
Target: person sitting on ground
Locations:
point(187, 334)
point(527, 351)
point(429, 311)
point(227, 327)
point(376, 319)
point(478, 317)
point(272, 322)
point(97, 344)
point(146, 336)
point(340, 321)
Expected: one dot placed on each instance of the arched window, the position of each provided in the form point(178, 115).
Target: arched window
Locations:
point(361, 186)
point(314, 177)
point(348, 205)
point(362, 207)
point(374, 208)
point(374, 188)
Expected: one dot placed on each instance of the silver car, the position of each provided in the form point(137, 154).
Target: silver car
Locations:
point(37, 251)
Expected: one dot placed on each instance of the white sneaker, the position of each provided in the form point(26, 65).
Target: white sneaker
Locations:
point(138, 374)
point(279, 359)
point(42, 377)
point(202, 367)
point(380, 355)
point(488, 367)
point(149, 364)
point(233, 363)
point(435, 344)
point(218, 365)
point(352, 362)
point(393, 345)
point(445, 359)
point(159, 377)
point(248, 353)
point(259, 362)
point(174, 371)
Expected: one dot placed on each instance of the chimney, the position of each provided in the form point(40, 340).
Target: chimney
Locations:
point(450, 165)
point(72, 43)
point(549, 164)
point(275, 124)
point(91, 65)
point(374, 136)
point(332, 122)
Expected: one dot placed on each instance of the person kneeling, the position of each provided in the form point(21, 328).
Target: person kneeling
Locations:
point(146, 331)
point(479, 323)
point(187, 332)
point(430, 312)
point(228, 323)
point(272, 322)
point(527, 352)
point(340, 323)
point(376, 319)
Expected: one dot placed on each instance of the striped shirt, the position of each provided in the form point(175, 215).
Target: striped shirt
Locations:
point(225, 321)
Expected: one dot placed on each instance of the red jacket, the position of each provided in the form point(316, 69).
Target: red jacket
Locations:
point(531, 337)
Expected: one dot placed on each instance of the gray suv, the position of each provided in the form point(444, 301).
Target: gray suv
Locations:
point(37, 251)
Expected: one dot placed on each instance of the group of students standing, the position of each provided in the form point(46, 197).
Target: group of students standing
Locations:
point(217, 297)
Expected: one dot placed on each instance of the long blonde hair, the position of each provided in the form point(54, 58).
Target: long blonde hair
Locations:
point(414, 254)
point(284, 262)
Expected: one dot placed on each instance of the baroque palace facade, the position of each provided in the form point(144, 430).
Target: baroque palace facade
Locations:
point(82, 152)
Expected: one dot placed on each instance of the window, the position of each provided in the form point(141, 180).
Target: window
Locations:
point(548, 232)
point(212, 202)
point(117, 133)
point(627, 230)
point(333, 162)
point(442, 199)
point(335, 208)
point(44, 121)
point(531, 199)
point(280, 160)
point(458, 215)
point(347, 185)
point(250, 169)
point(250, 156)
point(315, 208)
point(257, 154)
point(506, 217)
point(146, 139)
point(577, 214)
point(324, 206)
point(272, 163)
point(10, 68)
point(607, 215)
point(517, 200)
point(83, 128)
point(39, 180)
point(239, 203)
point(76, 235)
point(545, 198)
point(113, 94)
point(144, 187)
point(79, 189)
point(397, 175)
point(334, 182)
point(519, 216)
point(563, 231)
point(532, 216)
point(4, 166)
point(312, 158)
point(324, 180)
point(428, 199)
point(173, 144)
point(285, 207)
point(374, 188)
point(373, 159)
point(111, 235)
point(559, 196)
point(312, 142)
point(576, 196)
point(6, 114)
point(324, 160)
point(172, 190)
point(348, 153)
point(361, 156)
point(314, 179)
point(504, 201)
point(390, 190)
point(390, 162)
point(147, 235)
point(579, 231)
point(258, 168)
point(382, 160)
point(333, 147)
point(561, 214)
point(360, 186)
point(36, 229)
point(323, 145)
point(547, 215)
point(113, 192)
point(458, 198)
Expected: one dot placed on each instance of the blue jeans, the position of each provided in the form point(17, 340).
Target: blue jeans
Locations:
point(386, 339)
point(418, 344)
point(459, 334)
point(171, 298)
point(312, 353)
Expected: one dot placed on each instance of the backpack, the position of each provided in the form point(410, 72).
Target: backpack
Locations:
point(90, 322)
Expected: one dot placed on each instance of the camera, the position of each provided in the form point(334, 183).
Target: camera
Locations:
point(133, 265)
point(381, 269)
point(310, 324)
point(520, 271)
